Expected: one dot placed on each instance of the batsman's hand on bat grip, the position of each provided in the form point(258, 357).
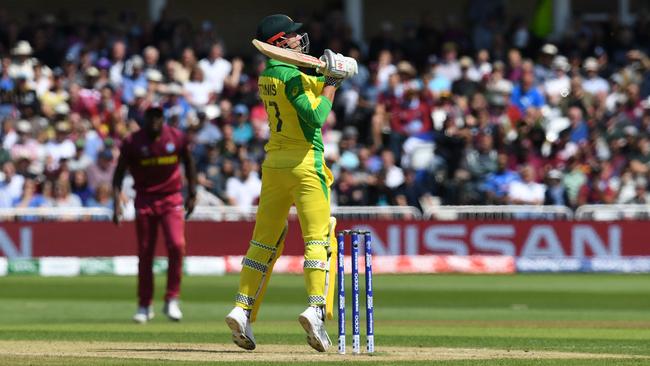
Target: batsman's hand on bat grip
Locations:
point(337, 65)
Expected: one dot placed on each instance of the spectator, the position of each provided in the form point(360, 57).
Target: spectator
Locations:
point(543, 70)
point(243, 190)
point(62, 197)
point(101, 172)
point(215, 67)
point(62, 146)
point(556, 194)
point(199, 92)
point(465, 86)
point(526, 191)
point(79, 186)
point(525, 95)
point(641, 196)
point(596, 189)
point(593, 83)
point(242, 131)
point(11, 187)
point(135, 79)
point(103, 197)
point(29, 198)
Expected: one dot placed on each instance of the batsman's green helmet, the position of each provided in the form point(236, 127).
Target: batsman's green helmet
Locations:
point(275, 26)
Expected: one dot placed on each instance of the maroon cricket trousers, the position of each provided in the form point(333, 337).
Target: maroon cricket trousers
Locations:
point(166, 212)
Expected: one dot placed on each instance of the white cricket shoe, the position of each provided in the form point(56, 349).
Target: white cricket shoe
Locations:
point(313, 323)
point(242, 331)
point(144, 314)
point(172, 310)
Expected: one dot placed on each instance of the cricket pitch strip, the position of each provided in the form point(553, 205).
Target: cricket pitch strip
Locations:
point(229, 352)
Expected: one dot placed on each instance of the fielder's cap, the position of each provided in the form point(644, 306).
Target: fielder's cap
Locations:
point(22, 48)
point(275, 26)
point(591, 64)
point(549, 49)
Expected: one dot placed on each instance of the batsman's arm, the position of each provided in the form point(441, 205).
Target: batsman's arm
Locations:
point(310, 108)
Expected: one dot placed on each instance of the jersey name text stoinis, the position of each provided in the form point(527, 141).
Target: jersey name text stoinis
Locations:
point(295, 108)
point(268, 89)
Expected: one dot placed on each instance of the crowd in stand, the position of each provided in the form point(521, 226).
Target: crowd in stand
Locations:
point(474, 112)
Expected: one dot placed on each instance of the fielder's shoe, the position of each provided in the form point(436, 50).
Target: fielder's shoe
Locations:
point(144, 314)
point(312, 320)
point(172, 310)
point(242, 331)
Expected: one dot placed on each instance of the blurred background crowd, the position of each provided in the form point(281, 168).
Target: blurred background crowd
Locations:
point(478, 111)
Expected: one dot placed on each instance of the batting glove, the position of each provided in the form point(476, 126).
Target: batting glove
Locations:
point(337, 65)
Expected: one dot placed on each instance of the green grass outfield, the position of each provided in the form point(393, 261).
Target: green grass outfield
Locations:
point(591, 314)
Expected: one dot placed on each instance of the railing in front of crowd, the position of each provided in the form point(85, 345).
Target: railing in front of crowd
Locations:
point(443, 213)
point(510, 212)
point(613, 212)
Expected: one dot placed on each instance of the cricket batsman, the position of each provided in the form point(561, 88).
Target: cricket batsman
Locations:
point(153, 155)
point(294, 172)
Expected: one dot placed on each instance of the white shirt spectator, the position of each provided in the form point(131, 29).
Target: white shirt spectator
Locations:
point(595, 85)
point(558, 86)
point(527, 193)
point(60, 150)
point(9, 140)
point(244, 193)
point(450, 70)
point(115, 73)
point(14, 188)
point(394, 177)
point(215, 72)
point(198, 92)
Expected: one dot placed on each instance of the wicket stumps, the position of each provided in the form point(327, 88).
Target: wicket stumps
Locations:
point(356, 318)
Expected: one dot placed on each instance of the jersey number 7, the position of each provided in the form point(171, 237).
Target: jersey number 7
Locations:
point(278, 127)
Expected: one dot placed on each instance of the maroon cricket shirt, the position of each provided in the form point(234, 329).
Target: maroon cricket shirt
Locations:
point(154, 164)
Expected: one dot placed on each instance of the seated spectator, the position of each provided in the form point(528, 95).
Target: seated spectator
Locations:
point(62, 197)
point(556, 193)
point(593, 83)
point(101, 171)
point(525, 95)
point(497, 185)
point(596, 189)
point(243, 131)
point(79, 186)
point(641, 196)
point(62, 146)
point(103, 197)
point(465, 86)
point(199, 92)
point(243, 190)
point(12, 184)
point(394, 174)
point(526, 191)
point(348, 190)
point(411, 191)
point(30, 198)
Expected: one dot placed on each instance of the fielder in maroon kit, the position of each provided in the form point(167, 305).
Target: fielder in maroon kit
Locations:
point(152, 155)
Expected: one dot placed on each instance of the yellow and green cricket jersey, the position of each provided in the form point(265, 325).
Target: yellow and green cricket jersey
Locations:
point(296, 113)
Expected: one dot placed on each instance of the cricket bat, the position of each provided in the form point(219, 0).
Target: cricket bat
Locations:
point(288, 56)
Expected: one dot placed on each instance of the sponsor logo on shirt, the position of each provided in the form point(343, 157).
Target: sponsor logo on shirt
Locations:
point(159, 160)
point(170, 147)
